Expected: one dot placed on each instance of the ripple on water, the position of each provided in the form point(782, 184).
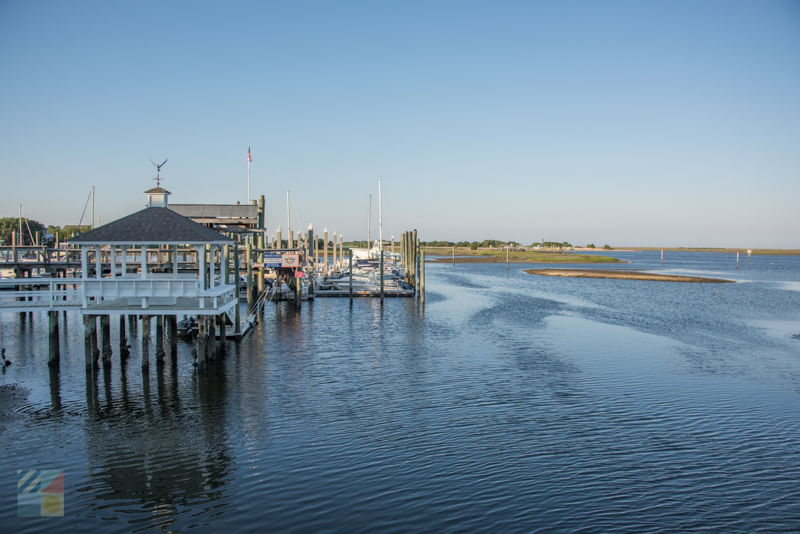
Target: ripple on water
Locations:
point(509, 405)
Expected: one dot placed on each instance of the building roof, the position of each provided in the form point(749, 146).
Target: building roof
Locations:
point(216, 211)
point(151, 226)
point(158, 190)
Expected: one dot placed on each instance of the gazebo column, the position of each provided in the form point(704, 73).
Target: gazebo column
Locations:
point(98, 263)
point(123, 260)
point(143, 262)
point(226, 259)
point(201, 272)
point(84, 272)
point(112, 259)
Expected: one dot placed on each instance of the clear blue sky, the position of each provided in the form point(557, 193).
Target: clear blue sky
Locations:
point(672, 123)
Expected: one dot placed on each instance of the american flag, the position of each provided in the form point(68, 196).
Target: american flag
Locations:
point(249, 158)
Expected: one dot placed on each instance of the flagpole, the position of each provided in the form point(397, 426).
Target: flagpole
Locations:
point(248, 175)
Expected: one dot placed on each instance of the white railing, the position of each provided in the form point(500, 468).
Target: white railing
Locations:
point(55, 292)
point(116, 288)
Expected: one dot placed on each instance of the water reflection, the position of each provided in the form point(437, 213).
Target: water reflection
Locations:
point(159, 458)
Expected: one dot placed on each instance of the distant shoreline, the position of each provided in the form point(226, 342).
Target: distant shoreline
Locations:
point(626, 275)
point(742, 251)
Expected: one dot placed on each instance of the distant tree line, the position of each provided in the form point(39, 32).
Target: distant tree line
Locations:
point(10, 225)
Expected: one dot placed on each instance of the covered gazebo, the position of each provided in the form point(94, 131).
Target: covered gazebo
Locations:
point(125, 242)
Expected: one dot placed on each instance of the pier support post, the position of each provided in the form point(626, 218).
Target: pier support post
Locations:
point(350, 269)
point(237, 325)
point(145, 342)
point(298, 291)
point(422, 278)
point(95, 347)
point(52, 330)
point(223, 338)
point(335, 269)
point(249, 262)
point(123, 339)
point(172, 332)
point(87, 342)
point(105, 329)
point(212, 337)
point(160, 339)
point(201, 342)
point(325, 255)
point(415, 245)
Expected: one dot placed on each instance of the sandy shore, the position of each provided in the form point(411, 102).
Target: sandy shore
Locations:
point(625, 275)
point(554, 258)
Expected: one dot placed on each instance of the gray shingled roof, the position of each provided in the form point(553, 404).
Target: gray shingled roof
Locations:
point(151, 226)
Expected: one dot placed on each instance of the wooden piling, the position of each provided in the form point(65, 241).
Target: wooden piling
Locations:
point(123, 339)
point(105, 327)
point(160, 339)
point(298, 291)
point(662, 256)
point(341, 250)
point(335, 269)
point(87, 342)
point(422, 278)
point(212, 337)
point(249, 264)
point(737, 259)
point(325, 256)
point(310, 241)
point(222, 332)
point(416, 262)
point(172, 332)
point(95, 346)
point(237, 324)
point(201, 342)
point(145, 342)
point(350, 251)
point(52, 330)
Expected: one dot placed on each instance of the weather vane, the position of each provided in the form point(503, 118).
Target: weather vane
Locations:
point(158, 177)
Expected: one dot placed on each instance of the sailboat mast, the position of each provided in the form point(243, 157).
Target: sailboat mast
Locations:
point(93, 226)
point(369, 222)
point(288, 218)
point(380, 218)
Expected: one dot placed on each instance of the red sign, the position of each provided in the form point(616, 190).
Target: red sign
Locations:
point(299, 274)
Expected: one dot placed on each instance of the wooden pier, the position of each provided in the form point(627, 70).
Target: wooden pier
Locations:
point(158, 263)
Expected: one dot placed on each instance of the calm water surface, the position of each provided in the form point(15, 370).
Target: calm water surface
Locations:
point(511, 403)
